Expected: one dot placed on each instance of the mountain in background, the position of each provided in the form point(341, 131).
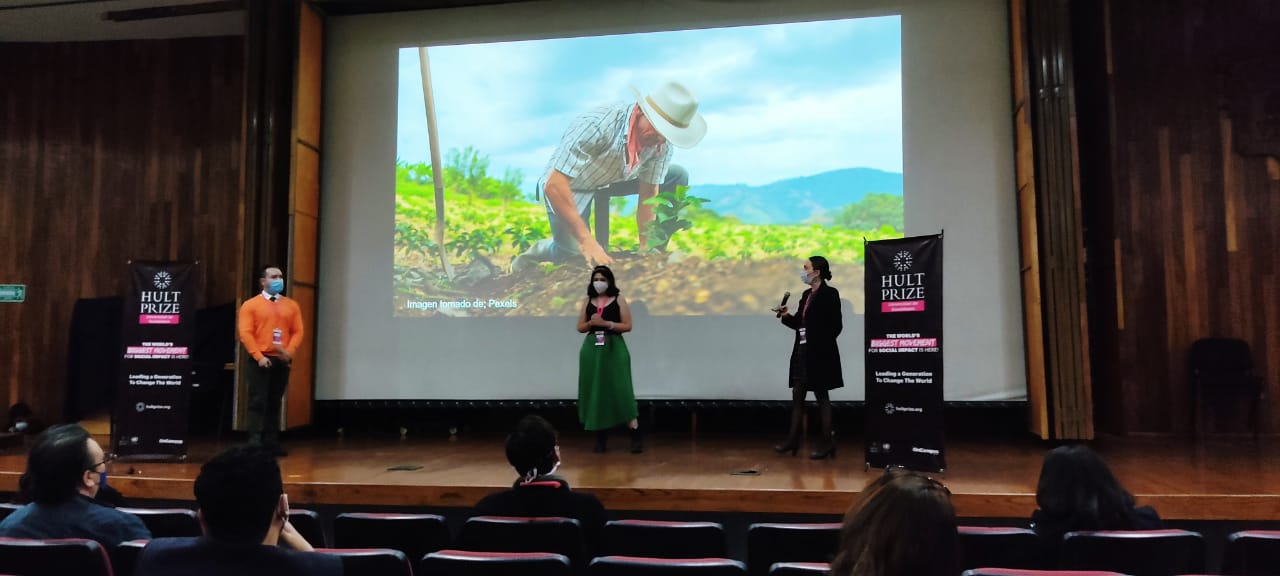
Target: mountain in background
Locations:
point(802, 200)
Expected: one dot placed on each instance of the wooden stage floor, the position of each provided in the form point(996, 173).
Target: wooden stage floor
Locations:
point(1216, 480)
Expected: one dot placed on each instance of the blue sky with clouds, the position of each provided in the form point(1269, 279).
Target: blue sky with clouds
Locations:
point(781, 100)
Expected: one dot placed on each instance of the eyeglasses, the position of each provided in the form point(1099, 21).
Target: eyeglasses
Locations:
point(106, 459)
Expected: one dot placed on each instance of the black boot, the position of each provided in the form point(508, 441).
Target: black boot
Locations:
point(828, 435)
point(637, 440)
point(792, 443)
point(602, 441)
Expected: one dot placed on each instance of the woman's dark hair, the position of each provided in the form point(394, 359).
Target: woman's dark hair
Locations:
point(56, 464)
point(608, 275)
point(1077, 491)
point(532, 446)
point(902, 524)
point(822, 266)
point(239, 492)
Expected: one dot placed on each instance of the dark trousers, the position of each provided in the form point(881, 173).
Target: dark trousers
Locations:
point(266, 393)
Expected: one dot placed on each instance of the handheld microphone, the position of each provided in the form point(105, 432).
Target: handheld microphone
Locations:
point(785, 296)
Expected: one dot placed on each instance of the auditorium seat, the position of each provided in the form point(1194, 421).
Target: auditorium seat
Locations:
point(472, 563)
point(7, 509)
point(799, 569)
point(1001, 546)
point(1252, 553)
point(167, 522)
point(523, 534)
point(662, 539)
point(62, 557)
point(124, 557)
point(307, 523)
point(1021, 572)
point(371, 561)
point(640, 566)
point(414, 534)
point(768, 544)
point(1135, 552)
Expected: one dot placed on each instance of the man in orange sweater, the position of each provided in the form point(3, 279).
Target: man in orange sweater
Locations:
point(271, 330)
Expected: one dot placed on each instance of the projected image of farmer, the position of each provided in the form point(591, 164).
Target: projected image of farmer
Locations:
point(619, 150)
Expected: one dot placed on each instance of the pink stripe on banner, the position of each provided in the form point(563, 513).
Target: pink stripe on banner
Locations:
point(158, 319)
point(904, 306)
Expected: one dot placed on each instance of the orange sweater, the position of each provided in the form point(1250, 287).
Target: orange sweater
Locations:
point(259, 317)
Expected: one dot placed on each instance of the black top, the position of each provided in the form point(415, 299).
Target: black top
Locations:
point(205, 557)
point(1051, 530)
point(549, 496)
point(612, 312)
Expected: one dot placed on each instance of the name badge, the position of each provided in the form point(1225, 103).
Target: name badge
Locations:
point(803, 336)
point(277, 336)
point(600, 338)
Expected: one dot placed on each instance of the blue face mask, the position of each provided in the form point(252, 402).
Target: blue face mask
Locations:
point(102, 479)
point(275, 286)
point(805, 278)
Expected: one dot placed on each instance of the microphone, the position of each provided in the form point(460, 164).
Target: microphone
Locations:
point(785, 295)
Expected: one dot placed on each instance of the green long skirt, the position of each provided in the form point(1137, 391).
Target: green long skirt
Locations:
point(605, 396)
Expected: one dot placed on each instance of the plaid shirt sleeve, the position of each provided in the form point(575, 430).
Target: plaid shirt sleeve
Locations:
point(582, 142)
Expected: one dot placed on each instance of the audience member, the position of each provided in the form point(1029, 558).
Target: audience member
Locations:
point(901, 525)
point(533, 450)
point(65, 470)
point(1077, 491)
point(244, 514)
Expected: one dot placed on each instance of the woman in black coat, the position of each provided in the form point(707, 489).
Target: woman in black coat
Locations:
point(815, 358)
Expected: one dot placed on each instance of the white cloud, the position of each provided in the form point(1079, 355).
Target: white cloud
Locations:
point(762, 128)
point(783, 134)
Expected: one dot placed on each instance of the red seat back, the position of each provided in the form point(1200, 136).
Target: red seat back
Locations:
point(59, 557)
point(1135, 552)
point(641, 566)
point(168, 522)
point(663, 539)
point(523, 534)
point(768, 544)
point(1252, 553)
point(371, 561)
point(473, 563)
point(414, 534)
point(1005, 547)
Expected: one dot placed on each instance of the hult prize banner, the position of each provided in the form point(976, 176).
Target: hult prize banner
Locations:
point(904, 353)
point(152, 400)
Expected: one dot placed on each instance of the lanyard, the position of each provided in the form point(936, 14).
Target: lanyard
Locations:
point(807, 302)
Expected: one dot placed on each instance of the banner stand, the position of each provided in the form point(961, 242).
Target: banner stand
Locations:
point(903, 350)
point(149, 421)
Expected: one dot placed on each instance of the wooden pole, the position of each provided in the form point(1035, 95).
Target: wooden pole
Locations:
point(437, 174)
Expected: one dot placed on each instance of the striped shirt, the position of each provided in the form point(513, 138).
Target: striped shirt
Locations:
point(593, 154)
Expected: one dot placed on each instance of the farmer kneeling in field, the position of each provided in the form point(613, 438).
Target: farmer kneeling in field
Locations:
point(616, 150)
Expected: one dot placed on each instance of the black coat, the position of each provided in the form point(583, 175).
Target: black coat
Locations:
point(822, 325)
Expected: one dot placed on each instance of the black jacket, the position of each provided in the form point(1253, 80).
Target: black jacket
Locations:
point(549, 496)
point(205, 557)
point(822, 324)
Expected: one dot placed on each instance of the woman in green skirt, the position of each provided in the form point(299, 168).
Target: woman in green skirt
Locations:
point(605, 396)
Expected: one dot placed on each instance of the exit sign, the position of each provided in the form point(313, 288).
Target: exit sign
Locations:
point(13, 292)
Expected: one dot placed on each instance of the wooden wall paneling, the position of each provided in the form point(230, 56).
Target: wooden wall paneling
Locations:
point(270, 56)
point(310, 74)
point(1194, 208)
point(298, 398)
point(109, 151)
point(305, 196)
point(1028, 234)
point(1058, 219)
